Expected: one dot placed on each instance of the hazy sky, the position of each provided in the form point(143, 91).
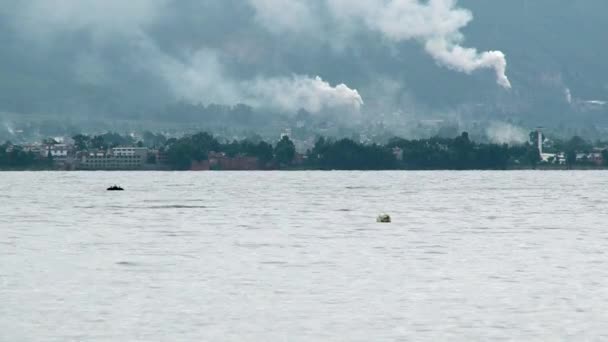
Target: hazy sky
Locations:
point(284, 54)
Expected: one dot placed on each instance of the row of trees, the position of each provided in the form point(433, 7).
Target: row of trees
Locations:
point(459, 153)
point(436, 153)
point(104, 141)
point(84, 142)
point(14, 157)
point(346, 154)
point(182, 152)
point(425, 154)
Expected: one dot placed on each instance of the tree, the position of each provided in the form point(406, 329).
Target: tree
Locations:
point(81, 142)
point(534, 135)
point(153, 140)
point(263, 151)
point(464, 137)
point(179, 155)
point(285, 151)
point(98, 142)
point(49, 158)
point(14, 157)
point(111, 139)
point(533, 156)
point(347, 154)
point(463, 152)
point(205, 142)
point(571, 157)
point(577, 144)
point(605, 157)
point(181, 152)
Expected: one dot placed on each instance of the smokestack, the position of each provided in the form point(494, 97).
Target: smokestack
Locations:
point(539, 142)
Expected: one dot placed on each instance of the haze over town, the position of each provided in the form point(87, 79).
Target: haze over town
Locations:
point(409, 68)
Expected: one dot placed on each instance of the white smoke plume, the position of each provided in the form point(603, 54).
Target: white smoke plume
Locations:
point(41, 18)
point(286, 16)
point(435, 23)
point(468, 60)
point(505, 133)
point(228, 63)
point(203, 78)
point(568, 95)
point(198, 76)
point(9, 128)
point(312, 94)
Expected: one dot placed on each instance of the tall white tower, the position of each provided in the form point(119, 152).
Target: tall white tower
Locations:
point(539, 143)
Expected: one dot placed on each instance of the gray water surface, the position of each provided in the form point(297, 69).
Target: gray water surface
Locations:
point(298, 256)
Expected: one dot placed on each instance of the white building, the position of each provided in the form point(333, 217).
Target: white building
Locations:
point(57, 151)
point(120, 158)
point(129, 151)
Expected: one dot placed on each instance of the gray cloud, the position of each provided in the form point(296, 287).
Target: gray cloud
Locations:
point(44, 17)
point(197, 70)
point(415, 58)
point(196, 74)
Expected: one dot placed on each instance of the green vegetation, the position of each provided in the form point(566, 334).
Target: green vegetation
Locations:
point(84, 142)
point(285, 151)
point(13, 157)
point(182, 152)
point(346, 154)
point(459, 153)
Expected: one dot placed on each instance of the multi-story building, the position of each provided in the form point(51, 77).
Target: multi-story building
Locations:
point(119, 158)
point(130, 151)
point(34, 148)
point(58, 151)
point(162, 157)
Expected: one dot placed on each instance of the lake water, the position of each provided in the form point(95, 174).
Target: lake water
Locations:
point(298, 256)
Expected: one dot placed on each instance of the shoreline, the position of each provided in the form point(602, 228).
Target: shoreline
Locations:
point(544, 168)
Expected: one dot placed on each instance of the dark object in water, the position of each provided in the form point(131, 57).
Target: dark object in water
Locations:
point(383, 218)
point(115, 188)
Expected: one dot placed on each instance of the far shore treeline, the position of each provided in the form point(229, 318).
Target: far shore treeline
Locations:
point(459, 153)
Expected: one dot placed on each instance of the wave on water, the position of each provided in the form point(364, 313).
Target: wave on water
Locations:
point(126, 263)
point(177, 206)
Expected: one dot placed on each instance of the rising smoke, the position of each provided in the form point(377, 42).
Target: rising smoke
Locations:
point(295, 92)
point(506, 133)
point(203, 73)
point(197, 76)
point(436, 23)
point(196, 69)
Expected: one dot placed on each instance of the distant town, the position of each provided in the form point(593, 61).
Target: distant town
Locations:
point(203, 151)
